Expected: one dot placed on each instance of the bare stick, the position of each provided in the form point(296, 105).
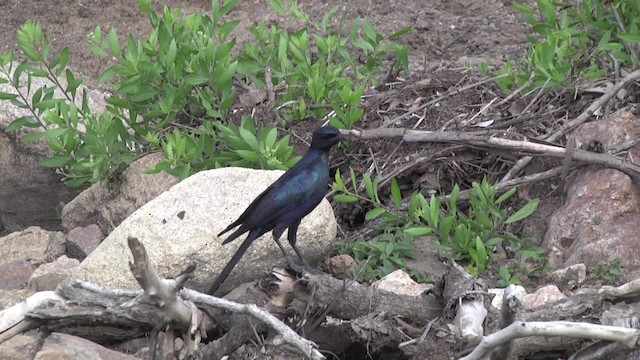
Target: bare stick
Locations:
point(161, 291)
point(521, 329)
point(522, 163)
point(484, 139)
point(13, 320)
point(307, 347)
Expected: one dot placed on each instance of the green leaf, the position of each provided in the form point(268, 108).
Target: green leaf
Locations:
point(55, 161)
point(524, 212)
point(345, 198)
point(195, 79)
point(374, 213)
point(7, 96)
point(248, 155)
point(396, 196)
point(505, 196)
point(34, 136)
point(630, 37)
point(525, 9)
point(368, 185)
point(271, 137)
point(277, 6)
point(396, 35)
point(419, 231)
point(171, 53)
point(249, 138)
point(113, 43)
point(64, 58)
point(20, 122)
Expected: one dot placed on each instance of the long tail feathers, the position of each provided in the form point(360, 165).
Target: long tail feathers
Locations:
point(234, 260)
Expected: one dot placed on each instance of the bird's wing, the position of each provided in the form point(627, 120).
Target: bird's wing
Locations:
point(293, 190)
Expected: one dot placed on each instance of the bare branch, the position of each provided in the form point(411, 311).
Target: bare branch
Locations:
point(563, 130)
point(521, 329)
point(288, 335)
point(485, 139)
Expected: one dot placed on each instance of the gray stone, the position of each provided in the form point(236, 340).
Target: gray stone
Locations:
point(60, 346)
point(32, 244)
point(571, 276)
point(426, 258)
point(81, 241)
point(340, 265)
point(19, 347)
point(399, 282)
point(545, 295)
point(48, 276)
point(14, 275)
point(11, 297)
point(29, 193)
point(108, 204)
point(179, 227)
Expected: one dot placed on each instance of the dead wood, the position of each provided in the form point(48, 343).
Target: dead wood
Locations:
point(489, 140)
point(319, 307)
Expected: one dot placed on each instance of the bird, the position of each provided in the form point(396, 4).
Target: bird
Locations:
point(285, 202)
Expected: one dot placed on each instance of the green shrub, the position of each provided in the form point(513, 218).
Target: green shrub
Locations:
point(173, 91)
point(575, 41)
point(468, 237)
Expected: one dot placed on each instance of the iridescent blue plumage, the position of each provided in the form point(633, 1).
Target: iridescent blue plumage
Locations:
point(283, 204)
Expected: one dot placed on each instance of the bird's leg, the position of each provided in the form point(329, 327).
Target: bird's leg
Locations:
point(277, 232)
point(290, 261)
point(292, 237)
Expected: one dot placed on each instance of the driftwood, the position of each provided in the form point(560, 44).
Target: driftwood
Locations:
point(289, 314)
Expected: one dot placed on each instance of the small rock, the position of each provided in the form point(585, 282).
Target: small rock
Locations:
point(572, 276)
point(67, 347)
point(81, 241)
point(15, 274)
point(11, 297)
point(340, 265)
point(18, 347)
point(139, 347)
point(399, 282)
point(107, 205)
point(542, 296)
point(33, 244)
point(48, 276)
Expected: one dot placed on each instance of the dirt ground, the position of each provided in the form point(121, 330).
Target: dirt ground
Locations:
point(445, 33)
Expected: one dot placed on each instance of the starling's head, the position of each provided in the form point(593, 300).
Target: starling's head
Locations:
point(325, 137)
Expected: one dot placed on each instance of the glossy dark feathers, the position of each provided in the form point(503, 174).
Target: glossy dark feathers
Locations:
point(289, 199)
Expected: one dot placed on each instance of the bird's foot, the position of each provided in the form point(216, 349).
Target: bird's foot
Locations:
point(300, 267)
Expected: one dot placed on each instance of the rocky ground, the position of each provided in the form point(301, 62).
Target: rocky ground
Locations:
point(590, 216)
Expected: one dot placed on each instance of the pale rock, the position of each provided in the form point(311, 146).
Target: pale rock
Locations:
point(11, 297)
point(571, 276)
point(33, 244)
point(14, 275)
point(82, 240)
point(399, 282)
point(60, 346)
point(340, 264)
point(180, 227)
point(19, 347)
point(108, 204)
point(48, 276)
point(544, 295)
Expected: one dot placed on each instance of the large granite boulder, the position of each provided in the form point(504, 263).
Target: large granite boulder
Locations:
point(180, 227)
